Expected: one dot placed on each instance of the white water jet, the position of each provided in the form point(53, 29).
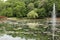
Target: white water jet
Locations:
point(53, 21)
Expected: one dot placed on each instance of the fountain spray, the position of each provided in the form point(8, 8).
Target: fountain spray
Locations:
point(53, 21)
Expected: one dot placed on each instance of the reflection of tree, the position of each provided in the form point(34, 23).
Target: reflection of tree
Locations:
point(23, 31)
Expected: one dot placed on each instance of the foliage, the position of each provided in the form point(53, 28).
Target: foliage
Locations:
point(41, 13)
point(30, 6)
point(20, 8)
point(32, 14)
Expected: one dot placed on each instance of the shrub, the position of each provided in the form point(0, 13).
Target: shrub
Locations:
point(42, 13)
point(32, 14)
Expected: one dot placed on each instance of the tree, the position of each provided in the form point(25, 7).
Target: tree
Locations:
point(30, 6)
point(40, 3)
point(9, 12)
point(32, 14)
point(19, 9)
point(41, 13)
point(14, 8)
point(58, 8)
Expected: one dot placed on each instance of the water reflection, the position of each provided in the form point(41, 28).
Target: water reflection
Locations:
point(8, 37)
point(26, 30)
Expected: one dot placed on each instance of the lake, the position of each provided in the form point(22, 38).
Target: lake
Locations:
point(28, 29)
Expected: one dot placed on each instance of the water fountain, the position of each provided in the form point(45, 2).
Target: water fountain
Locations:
point(53, 21)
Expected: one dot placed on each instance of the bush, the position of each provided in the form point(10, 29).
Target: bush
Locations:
point(32, 14)
point(42, 13)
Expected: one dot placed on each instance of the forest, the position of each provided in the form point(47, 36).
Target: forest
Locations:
point(29, 8)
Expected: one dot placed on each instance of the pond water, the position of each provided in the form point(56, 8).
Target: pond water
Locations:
point(8, 37)
point(27, 30)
